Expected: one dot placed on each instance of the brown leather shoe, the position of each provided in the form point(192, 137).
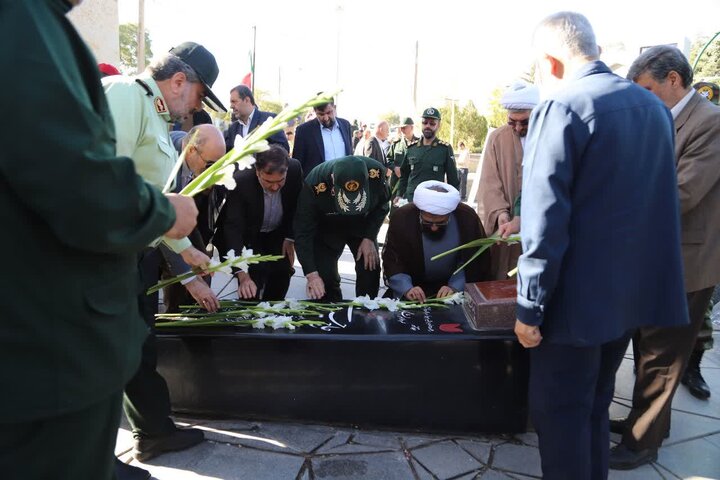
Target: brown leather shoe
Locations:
point(179, 439)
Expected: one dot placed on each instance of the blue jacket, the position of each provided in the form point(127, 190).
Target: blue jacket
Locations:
point(600, 219)
point(258, 118)
point(308, 148)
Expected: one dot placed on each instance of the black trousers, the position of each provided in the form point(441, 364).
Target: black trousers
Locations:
point(271, 278)
point(77, 445)
point(147, 400)
point(569, 394)
point(661, 355)
point(367, 282)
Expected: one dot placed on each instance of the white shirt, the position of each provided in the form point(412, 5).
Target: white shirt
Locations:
point(246, 126)
point(681, 104)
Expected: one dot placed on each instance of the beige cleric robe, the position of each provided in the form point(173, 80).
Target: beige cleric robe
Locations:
point(500, 184)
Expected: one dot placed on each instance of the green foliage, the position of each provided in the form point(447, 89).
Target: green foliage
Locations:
point(498, 114)
point(709, 65)
point(266, 103)
point(129, 47)
point(470, 126)
point(393, 118)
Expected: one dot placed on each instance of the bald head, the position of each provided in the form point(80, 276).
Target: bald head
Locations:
point(382, 130)
point(207, 146)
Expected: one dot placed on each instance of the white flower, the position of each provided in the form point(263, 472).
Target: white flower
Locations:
point(294, 304)
point(455, 298)
point(265, 305)
point(258, 323)
point(367, 302)
point(279, 321)
point(215, 266)
point(402, 202)
point(278, 306)
point(231, 255)
point(246, 162)
point(247, 252)
point(239, 141)
point(391, 304)
point(227, 179)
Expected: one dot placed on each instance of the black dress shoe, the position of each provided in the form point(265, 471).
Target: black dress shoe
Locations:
point(622, 458)
point(693, 379)
point(617, 425)
point(123, 471)
point(179, 439)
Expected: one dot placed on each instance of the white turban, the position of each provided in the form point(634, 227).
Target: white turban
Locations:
point(520, 96)
point(432, 201)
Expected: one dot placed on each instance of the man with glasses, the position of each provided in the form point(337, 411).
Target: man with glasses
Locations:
point(435, 222)
point(204, 145)
point(258, 215)
point(427, 159)
point(501, 175)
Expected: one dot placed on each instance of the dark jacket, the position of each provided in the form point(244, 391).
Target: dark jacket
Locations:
point(374, 150)
point(600, 220)
point(242, 215)
point(258, 118)
point(403, 249)
point(77, 214)
point(308, 147)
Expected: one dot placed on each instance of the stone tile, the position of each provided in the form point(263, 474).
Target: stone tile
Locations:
point(124, 441)
point(685, 426)
point(479, 450)
point(469, 476)
point(230, 424)
point(698, 458)
point(421, 472)
point(288, 438)
point(491, 474)
point(528, 438)
point(341, 437)
point(212, 461)
point(387, 466)
point(517, 458)
point(714, 439)
point(685, 402)
point(418, 441)
point(388, 440)
point(646, 472)
point(624, 380)
point(354, 448)
point(446, 459)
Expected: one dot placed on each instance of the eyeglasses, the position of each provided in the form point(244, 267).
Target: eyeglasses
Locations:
point(520, 123)
point(426, 223)
point(207, 162)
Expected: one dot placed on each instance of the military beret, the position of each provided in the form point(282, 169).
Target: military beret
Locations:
point(408, 121)
point(431, 113)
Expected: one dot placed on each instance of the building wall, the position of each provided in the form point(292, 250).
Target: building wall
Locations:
point(98, 24)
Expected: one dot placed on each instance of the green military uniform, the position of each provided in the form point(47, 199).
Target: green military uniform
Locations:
point(427, 162)
point(396, 157)
point(342, 202)
point(76, 216)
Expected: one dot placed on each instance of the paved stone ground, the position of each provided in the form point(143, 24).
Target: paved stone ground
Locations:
point(238, 449)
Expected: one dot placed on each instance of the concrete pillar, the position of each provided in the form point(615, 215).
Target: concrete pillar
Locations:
point(98, 24)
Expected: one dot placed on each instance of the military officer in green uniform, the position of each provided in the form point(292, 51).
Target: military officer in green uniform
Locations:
point(343, 202)
point(428, 158)
point(398, 150)
point(75, 215)
point(143, 108)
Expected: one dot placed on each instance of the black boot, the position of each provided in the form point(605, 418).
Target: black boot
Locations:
point(692, 378)
point(124, 471)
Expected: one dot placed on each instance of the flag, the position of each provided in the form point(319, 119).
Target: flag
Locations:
point(247, 80)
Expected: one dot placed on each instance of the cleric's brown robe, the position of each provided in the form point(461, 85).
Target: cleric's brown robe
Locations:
point(500, 184)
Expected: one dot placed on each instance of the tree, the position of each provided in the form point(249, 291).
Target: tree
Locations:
point(498, 114)
point(129, 47)
point(393, 118)
point(470, 126)
point(708, 68)
point(265, 103)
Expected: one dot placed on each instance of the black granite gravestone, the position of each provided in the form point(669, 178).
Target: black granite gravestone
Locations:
point(423, 369)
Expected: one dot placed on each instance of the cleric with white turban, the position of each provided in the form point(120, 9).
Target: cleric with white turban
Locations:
point(520, 96)
point(435, 222)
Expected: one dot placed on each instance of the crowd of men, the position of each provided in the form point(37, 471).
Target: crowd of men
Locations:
point(620, 190)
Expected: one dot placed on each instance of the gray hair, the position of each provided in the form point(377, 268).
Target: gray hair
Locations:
point(574, 33)
point(659, 61)
point(168, 66)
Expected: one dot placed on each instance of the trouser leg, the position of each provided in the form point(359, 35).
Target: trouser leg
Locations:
point(367, 282)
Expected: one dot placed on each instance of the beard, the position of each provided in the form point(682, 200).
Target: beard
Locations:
point(428, 133)
point(433, 235)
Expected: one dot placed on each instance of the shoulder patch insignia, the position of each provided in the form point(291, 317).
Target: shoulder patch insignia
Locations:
point(414, 142)
point(443, 142)
point(160, 105)
point(374, 173)
point(320, 188)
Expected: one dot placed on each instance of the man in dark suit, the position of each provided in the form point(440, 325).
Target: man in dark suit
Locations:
point(258, 215)
point(67, 351)
point(248, 117)
point(375, 147)
point(662, 353)
point(325, 138)
point(600, 236)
